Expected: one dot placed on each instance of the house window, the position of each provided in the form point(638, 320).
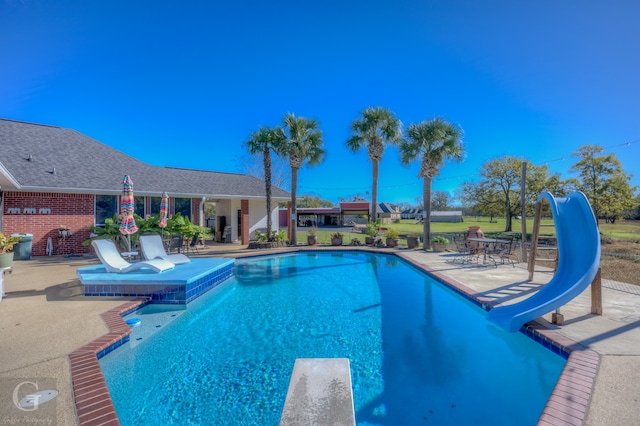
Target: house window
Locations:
point(139, 205)
point(154, 207)
point(183, 206)
point(106, 207)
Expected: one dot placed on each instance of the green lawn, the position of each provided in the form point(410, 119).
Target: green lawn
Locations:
point(624, 230)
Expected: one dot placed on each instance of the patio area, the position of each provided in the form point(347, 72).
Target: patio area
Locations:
point(44, 316)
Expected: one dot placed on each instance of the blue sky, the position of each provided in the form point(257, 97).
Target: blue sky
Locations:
point(183, 84)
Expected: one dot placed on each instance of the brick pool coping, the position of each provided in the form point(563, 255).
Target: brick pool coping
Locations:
point(567, 405)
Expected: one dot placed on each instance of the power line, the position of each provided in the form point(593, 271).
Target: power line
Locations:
point(454, 177)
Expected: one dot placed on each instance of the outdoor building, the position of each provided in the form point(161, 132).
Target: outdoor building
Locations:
point(387, 213)
point(324, 216)
point(354, 212)
point(453, 216)
point(52, 177)
point(412, 214)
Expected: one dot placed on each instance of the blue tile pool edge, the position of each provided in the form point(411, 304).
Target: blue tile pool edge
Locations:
point(165, 293)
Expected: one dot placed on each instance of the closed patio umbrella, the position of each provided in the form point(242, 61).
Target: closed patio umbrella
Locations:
point(164, 211)
point(127, 224)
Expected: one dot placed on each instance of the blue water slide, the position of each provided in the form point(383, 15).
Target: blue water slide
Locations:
point(579, 259)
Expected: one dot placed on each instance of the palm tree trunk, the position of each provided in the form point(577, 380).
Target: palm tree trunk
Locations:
point(294, 189)
point(426, 196)
point(267, 181)
point(374, 191)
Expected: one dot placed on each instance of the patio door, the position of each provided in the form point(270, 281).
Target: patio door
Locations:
point(239, 225)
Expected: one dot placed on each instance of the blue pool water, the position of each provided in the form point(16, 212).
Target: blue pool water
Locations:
point(419, 353)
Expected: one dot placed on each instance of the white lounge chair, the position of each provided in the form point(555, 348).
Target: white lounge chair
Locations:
point(113, 262)
point(152, 248)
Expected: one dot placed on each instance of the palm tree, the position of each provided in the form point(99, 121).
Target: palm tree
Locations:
point(433, 142)
point(377, 128)
point(304, 143)
point(265, 140)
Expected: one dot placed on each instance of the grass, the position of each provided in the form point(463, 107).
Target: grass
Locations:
point(621, 238)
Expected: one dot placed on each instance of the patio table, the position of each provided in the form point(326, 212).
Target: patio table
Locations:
point(486, 244)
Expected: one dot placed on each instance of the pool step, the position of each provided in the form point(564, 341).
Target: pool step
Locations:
point(320, 393)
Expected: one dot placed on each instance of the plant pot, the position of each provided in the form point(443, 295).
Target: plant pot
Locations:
point(336, 241)
point(369, 240)
point(312, 240)
point(439, 247)
point(392, 242)
point(474, 232)
point(6, 260)
point(413, 242)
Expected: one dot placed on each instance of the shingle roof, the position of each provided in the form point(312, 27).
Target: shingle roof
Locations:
point(29, 154)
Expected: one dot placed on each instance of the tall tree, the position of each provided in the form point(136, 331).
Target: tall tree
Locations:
point(432, 142)
point(441, 200)
point(603, 181)
point(303, 144)
point(376, 128)
point(498, 192)
point(265, 140)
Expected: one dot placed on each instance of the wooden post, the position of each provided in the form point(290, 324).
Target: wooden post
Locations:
point(596, 294)
point(534, 239)
point(290, 221)
point(523, 212)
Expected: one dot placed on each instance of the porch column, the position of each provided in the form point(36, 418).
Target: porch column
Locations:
point(244, 210)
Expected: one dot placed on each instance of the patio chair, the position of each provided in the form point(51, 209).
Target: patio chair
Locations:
point(193, 245)
point(113, 262)
point(464, 249)
point(152, 248)
point(501, 252)
point(507, 251)
point(176, 242)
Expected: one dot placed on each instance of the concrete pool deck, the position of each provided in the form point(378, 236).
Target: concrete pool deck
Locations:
point(44, 317)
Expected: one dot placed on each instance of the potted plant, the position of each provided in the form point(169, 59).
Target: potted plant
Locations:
point(6, 249)
point(413, 240)
point(371, 230)
point(336, 239)
point(312, 237)
point(439, 243)
point(392, 238)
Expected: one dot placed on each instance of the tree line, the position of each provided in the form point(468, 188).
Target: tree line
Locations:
point(432, 142)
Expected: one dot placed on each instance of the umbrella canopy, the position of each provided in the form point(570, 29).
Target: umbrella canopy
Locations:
point(164, 210)
point(128, 224)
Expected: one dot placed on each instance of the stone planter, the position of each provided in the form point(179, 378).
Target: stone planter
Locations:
point(312, 240)
point(439, 247)
point(6, 260)
point(392, 242)
point(336, 241)
point(266, 245)
point(413, 242)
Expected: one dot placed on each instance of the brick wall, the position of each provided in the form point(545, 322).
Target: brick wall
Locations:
point(41, 214)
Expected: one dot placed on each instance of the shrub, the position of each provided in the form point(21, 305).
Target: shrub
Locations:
point(372, 229)
point(393, 234)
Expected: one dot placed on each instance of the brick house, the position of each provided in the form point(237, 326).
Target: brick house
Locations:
point(51, 176)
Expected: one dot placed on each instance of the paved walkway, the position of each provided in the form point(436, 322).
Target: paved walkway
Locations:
point(44, 317)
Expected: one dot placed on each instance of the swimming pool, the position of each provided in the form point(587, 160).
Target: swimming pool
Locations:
point(419, 352)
